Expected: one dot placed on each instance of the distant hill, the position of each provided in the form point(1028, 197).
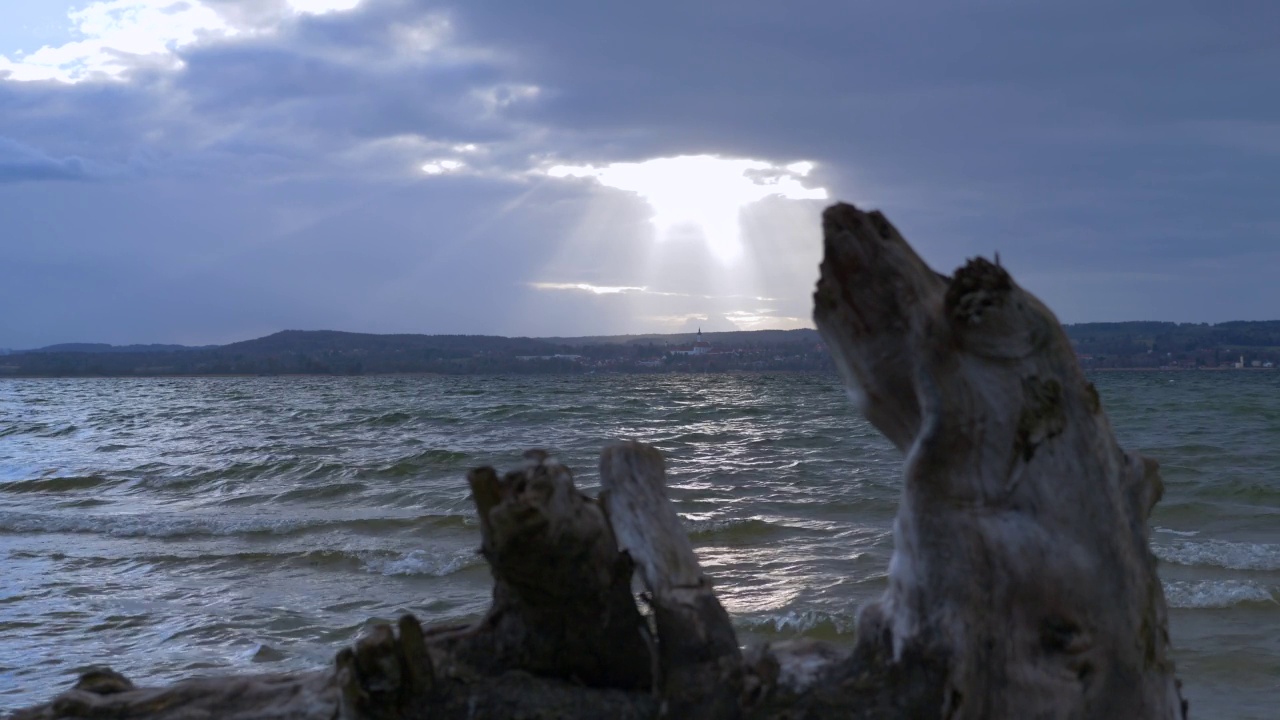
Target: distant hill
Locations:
point(1132, 337)
point(315, 352)
point(321, 352)
point(105, 348)
point(438, 345)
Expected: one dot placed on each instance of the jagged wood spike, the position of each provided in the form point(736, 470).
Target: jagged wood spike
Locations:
point(701, 663)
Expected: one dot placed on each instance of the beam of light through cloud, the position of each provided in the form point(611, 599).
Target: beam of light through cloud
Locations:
point(617, 289)
point(227, 143)
point(321, 7)
point(765, 319)
point(441, 167)
point(114, 36)
point(731, 320)
point(587, 287)
point(703, 193)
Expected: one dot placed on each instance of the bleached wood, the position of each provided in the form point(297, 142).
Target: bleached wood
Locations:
point(644, 521)
point(699, 658)
point(1021, 549)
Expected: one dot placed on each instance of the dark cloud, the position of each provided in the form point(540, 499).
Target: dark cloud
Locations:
point(20, 163)
point(1119, 157)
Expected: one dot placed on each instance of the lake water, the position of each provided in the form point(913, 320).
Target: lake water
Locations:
point(171, 527)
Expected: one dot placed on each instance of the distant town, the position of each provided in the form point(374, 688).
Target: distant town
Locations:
point(1177, 346)
point(1099, 346)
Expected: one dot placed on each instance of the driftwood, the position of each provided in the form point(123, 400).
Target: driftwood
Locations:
point(698, 654)
point(1021, 584)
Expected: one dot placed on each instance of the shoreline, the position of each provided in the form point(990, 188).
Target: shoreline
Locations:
point(4, 376)
point(1181, 369)
point(413, 374)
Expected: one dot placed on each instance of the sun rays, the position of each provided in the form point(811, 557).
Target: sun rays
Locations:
point(716, 232)
point(701, 194)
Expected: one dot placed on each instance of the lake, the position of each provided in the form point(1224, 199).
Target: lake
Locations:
point(181, 526)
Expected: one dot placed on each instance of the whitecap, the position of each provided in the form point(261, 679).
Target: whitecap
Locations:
point(1214, 594)
point(420, 562)
point(800, 622)
point(1221, 553)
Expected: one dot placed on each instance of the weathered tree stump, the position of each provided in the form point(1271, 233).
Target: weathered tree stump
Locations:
point(562, 602)
point(1021, 584)
point(1020, 547)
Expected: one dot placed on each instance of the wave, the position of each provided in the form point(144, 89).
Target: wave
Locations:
point(808, 623)
point(506, 410)
point(729, 528)
point(180, 526)
point(1182, 594)
point(54, 484)
point(158, 475)
point(421, 562)
point(435, 459)
point(264, 653)
point(1202, 594)
point(60, 432)
point(391, 418)
point(1240, 490)
point(83, 503)
point(1184, 533)
point(1221, 553)
point(21, 429)
point(319, 492)
point(377, 562)
point(338, 476)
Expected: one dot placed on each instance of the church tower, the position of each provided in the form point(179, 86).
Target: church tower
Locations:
point(700, 346)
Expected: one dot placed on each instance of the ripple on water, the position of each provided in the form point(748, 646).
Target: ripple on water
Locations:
point(1216, 594)
point(55, 484)
point(1221, 553)
point(817, 624)
point(192, 525)
point(426, 461)
point(273, 517)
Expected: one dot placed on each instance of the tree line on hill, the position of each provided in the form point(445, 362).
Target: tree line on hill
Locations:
point(296, 352)
point(1161, 344)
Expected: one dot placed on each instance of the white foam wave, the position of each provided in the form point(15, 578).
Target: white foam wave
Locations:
point(703, 525)
point(801, 621)
point(421, 562)
point(1214, 594)
point(1220, 553)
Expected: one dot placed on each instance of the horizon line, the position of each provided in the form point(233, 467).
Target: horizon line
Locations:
point(566, 337)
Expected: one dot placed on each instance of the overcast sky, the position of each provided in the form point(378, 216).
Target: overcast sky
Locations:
point(204, 171)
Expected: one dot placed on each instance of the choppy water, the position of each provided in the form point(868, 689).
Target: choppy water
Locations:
point(179, 526)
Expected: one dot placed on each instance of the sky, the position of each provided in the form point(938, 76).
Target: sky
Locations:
point(206, 171)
